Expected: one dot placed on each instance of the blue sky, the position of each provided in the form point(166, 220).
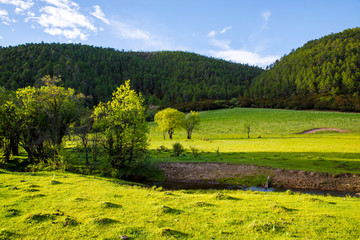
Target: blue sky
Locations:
point(253, 32)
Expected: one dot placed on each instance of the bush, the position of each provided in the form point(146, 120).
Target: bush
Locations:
point(178, 149)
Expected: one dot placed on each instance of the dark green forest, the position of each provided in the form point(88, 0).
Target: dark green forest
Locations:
point(323, 74)
point(164, 78)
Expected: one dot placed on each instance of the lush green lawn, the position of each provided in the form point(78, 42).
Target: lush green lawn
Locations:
point(280, 146)
point(53, 205)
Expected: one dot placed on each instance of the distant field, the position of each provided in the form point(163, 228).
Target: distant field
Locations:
point(274, 139)
point(54, 205)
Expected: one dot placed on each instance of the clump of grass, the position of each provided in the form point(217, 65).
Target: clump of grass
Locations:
point(202, 204)
point(79, 199)
point(12, 212)
point(220, 196)
point(69, 221)
point(54, 182)
point(39, 195)
point(168, 210)
point(265, 226)
point(168, 232)
point(110, 205)
point(195, 152)
point(276, 208)
point(156, 188)
point(31, 190)
point(103, 221)
point(6, 234)
point(162, 148)
point(39, 217)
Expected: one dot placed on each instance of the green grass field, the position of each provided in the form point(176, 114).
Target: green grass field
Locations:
point(280, 145)
point(59, 205)
point(53, 205)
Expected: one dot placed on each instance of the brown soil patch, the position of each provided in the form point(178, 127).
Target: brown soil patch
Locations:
point(280, 177)
point(314, 130)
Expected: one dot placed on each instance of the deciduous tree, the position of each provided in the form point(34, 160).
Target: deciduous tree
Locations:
point(124, 127)
point(169, 120)
point(192, 120)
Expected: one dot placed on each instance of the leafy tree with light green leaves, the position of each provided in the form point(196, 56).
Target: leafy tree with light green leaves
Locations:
point(125, 130)
point(44, 115)
point(169, 120)
point(191, 121)
point(9, 131)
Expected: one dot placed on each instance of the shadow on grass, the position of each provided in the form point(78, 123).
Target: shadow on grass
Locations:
point(328, 162)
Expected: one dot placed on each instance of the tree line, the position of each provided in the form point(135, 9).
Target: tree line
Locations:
point(38, 118)
point(164, 78)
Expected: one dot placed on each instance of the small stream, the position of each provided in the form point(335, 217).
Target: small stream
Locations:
point(213, 185)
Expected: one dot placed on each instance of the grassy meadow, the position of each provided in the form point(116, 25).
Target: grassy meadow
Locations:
point(54, 205)
point(274, 140)
point(62, 205)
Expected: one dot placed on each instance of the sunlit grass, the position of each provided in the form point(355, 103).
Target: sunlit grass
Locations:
point(88, 207)
point(274, 140)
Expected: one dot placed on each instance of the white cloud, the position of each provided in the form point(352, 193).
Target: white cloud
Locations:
point(125, 31)
point(3, 13)
point(243, 56)
point(224, 30)
point(98, 13)
point(64, 18)
point(4, 17)
point(69, 34)
point(20, 5)
point(213, 33)
point(223, 44)
point(220, 43)
point(1, 37)
point(266, 16)
point(65, 4)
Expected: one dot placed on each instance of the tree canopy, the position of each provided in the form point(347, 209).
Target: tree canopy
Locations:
point(124, 127)
point(169, 120)
point(162, 77)
point(191, 121)
point(324, 73)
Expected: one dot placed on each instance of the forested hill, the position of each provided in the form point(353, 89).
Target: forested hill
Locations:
point(170, 77)
point(323, 74)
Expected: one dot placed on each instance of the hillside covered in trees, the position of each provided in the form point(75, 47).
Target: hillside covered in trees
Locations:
point(163, 77)
point(323, 74)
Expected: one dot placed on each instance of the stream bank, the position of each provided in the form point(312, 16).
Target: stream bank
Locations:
point(285, 179)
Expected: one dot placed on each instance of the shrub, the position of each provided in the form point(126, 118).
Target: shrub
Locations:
point(178, 149)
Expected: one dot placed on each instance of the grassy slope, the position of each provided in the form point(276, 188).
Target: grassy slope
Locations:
point(80, 207)
point(279, 146)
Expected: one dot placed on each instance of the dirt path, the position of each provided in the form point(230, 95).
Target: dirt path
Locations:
point(314, 130)
point(281, 178)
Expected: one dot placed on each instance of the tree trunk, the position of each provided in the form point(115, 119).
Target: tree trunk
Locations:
point(86, 156)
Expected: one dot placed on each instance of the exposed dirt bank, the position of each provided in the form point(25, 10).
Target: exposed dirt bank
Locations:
point(280, 178)
point(314, 130)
